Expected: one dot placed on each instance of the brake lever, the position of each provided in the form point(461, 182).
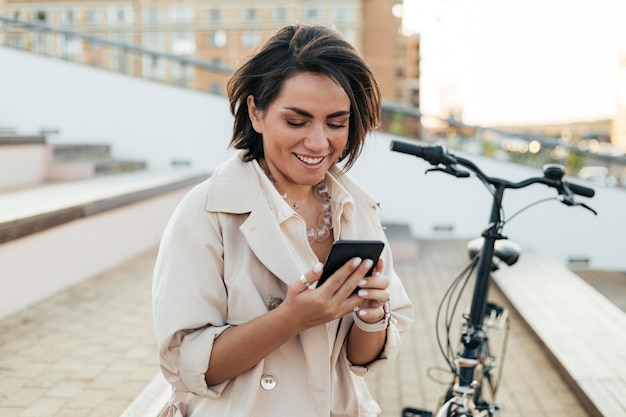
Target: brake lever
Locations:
point(568, 200)
point(567, 197)
point(583, 205)
point(448, 169)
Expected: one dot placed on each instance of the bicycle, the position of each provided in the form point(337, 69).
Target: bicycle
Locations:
point(473, 367)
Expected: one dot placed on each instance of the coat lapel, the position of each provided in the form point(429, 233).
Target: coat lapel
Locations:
point(268, 243)
point(237, 190)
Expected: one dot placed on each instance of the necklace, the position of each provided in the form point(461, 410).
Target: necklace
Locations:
point(322, 230)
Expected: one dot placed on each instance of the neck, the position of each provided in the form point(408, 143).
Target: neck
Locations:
point(290, 191)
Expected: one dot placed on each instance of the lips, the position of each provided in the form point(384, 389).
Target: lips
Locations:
point(309, 160)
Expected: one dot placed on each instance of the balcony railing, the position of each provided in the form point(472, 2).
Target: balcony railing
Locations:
point(590, 158)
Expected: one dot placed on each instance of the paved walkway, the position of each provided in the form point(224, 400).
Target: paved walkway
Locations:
point(89, 351)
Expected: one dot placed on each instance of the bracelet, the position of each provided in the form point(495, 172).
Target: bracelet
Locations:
point(373, 327)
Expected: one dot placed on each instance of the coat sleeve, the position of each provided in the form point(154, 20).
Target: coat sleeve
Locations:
point(399, 323)
point(188, 294)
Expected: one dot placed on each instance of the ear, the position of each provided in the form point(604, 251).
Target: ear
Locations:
point(255, 115)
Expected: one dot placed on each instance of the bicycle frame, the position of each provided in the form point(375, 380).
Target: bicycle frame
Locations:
point(470, 368)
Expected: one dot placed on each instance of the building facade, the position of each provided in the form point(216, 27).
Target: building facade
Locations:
point(618, 127)
point(215, 31)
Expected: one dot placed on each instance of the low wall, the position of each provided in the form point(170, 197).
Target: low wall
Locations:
point(101, 234)
point(23, 161)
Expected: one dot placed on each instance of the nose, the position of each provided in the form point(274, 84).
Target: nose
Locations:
point(317, 138)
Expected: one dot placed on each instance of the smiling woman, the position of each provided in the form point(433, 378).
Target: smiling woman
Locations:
point(242, 327)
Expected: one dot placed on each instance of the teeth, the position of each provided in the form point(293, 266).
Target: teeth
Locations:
point(307, 160)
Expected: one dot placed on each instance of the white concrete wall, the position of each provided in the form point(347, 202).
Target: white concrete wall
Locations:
point(158, 123)
point(140, 119)
point(36, 266)
point(22, 165)
point(437, 199)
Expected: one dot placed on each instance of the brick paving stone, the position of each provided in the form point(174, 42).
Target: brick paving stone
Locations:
point(90, 350)
point(531, 386)
point(86, 351)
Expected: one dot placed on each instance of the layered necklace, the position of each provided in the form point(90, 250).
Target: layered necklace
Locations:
point(324, 226)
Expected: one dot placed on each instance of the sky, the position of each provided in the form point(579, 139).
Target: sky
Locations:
point(519, 62)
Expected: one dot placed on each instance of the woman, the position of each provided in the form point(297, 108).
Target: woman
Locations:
point(242, 329)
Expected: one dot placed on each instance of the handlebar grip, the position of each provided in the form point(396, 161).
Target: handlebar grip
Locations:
point(581, 190)
point(435, 154)
point(403, 147)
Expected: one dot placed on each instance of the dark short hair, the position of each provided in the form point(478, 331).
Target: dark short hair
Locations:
point(304, 48)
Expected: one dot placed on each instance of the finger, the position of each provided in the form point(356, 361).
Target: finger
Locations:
point(379, 296)
point(379, 267)
point(371, 315)
point(343, 274)
point(310, 277)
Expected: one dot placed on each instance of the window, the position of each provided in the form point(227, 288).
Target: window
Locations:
point(120, 15)
point(94, 45)
point(180, 14)
point(67, 17)
point(312, 13)
point(183, 43)
point(215, 16)
point(182, 74)
point(151, 15)
point(250, 39)
point(16, 41)
point(280, 15)
point(153, 67)
point(94, 17)
point(40, 42)
point(217, 39)
point(40, 16)
point(70, 47)
point(250, 15)
point(153, 41)
point(215, 88)
point(341, 14)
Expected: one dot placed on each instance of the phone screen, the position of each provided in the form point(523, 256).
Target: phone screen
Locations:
point(344, 250)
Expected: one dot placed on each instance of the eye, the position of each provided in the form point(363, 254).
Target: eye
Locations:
point(295, 124)
point(339, 124)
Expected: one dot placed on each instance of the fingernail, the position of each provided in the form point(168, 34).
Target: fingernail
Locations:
point(356, 261)
point(362, 313)
point(377, 274)
point(369, 263)
point(318, 267)
point(363, 293)
point(363, 283)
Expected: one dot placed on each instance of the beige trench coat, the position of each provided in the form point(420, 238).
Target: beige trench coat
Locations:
point(222, 258)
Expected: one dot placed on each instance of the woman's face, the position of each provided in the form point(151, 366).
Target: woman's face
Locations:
point(305, 129)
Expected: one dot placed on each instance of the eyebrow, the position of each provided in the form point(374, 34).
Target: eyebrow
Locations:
point(309, 115)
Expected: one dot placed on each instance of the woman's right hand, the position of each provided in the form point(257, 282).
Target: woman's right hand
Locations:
point(307, 307)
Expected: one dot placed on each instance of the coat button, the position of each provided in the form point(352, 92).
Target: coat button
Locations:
point(268, 382)
point(274, 302)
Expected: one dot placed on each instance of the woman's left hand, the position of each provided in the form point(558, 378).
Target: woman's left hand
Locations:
point(373, 290)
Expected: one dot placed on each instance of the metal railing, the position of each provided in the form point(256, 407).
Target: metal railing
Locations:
point(579, 155)
point(101, 52)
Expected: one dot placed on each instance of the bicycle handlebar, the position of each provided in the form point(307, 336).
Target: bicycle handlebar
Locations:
point(447, 162)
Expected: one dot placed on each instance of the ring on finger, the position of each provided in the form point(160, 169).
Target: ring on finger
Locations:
point(304, 281)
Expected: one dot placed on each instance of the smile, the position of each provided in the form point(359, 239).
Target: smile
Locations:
point(309, 160)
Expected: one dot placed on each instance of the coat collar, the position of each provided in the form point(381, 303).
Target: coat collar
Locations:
point(236, 189)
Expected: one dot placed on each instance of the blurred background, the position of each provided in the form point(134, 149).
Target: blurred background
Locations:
point(111, 110)
point(105, 87)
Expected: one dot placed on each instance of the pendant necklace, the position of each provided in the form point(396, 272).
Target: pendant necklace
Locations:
point(324, 226)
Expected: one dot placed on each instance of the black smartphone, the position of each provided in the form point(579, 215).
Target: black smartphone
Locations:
point(344, 250)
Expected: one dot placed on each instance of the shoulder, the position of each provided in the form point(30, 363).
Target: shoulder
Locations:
point(233, 187)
